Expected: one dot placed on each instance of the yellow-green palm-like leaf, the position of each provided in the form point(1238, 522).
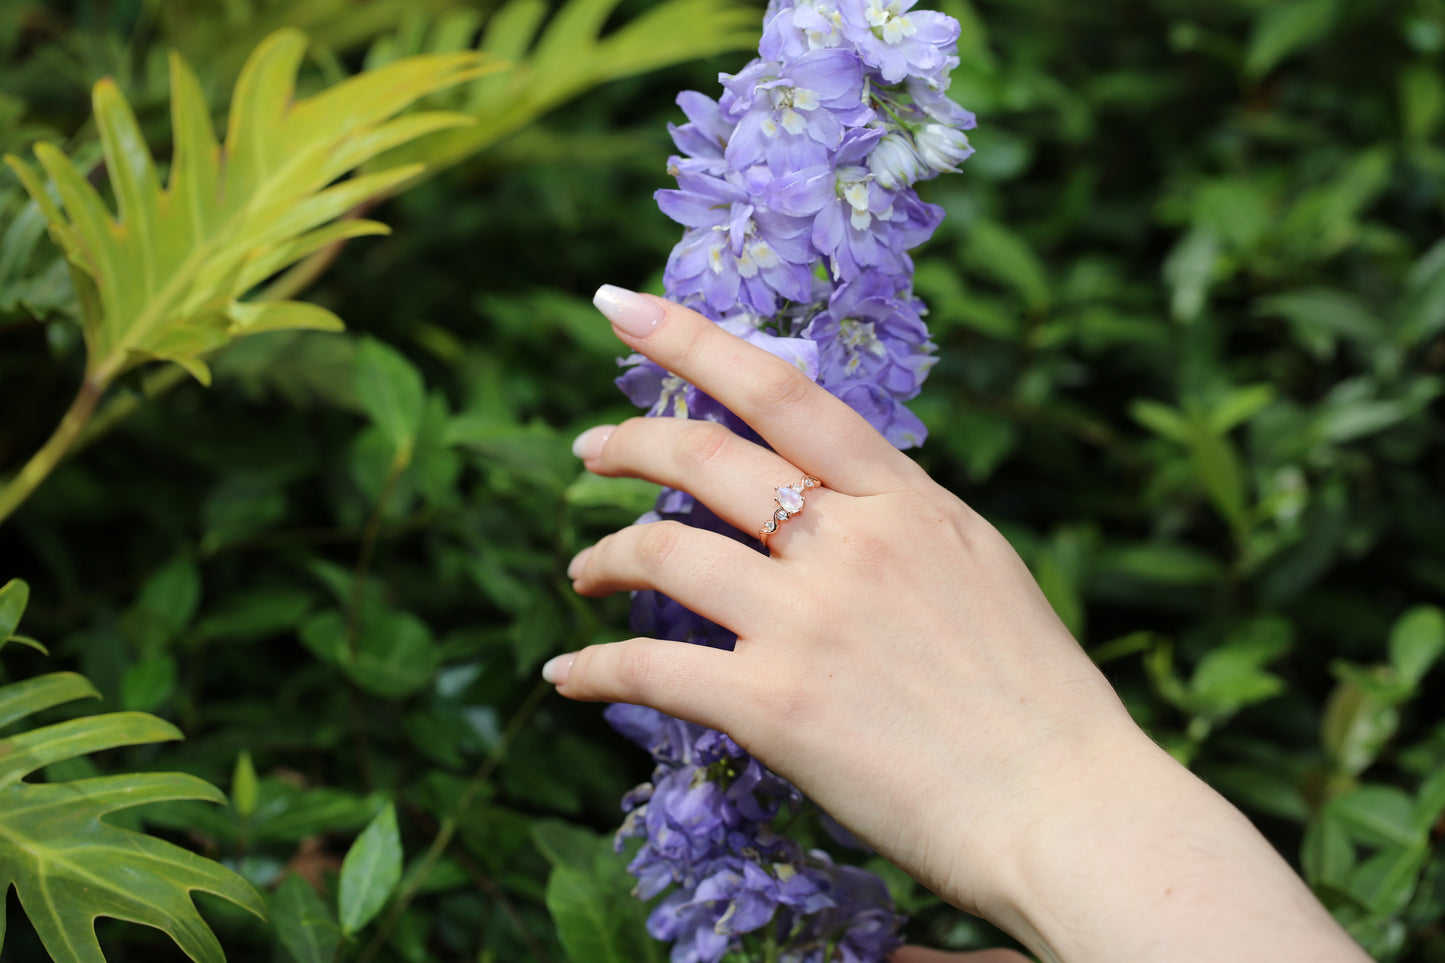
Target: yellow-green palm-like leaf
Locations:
point(164, 278)
point(68, 865)
point(558, 53)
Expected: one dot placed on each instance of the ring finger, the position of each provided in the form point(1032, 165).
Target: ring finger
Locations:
point(708, 573)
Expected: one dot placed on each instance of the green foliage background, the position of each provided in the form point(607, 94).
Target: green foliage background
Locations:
point(1190, 305)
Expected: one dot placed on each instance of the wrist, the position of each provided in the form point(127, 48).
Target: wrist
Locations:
point(1129, 856)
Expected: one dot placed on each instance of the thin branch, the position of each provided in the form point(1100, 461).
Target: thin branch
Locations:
point(14, 492)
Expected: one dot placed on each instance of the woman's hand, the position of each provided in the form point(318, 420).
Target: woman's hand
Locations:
point(895, 659)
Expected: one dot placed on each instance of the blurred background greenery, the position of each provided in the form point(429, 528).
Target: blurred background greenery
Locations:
point(1190, 307)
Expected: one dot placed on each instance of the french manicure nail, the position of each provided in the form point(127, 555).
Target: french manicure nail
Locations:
point(557, 669)
point(589, 444)
point(631, 312)
point(574, 567)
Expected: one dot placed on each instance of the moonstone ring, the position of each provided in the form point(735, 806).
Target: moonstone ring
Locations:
point(790, 503)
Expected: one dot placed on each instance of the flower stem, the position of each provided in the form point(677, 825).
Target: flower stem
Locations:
point(14, 492)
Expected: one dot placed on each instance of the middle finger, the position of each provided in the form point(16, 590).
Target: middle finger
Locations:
point(730, 475)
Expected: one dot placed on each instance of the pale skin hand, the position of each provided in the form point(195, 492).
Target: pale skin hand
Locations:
point(898, 663)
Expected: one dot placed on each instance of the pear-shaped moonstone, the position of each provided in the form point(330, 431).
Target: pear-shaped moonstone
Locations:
point(791, 500)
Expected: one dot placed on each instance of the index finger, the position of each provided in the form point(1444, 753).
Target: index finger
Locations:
point(804, 423)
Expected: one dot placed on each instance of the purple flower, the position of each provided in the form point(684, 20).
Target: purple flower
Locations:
point(795, 192)
point(793, 29)
point(794, 114)
point(899, 43)
point(856, 223)
point(735, 253)
point(872, 333)
point(704, 137)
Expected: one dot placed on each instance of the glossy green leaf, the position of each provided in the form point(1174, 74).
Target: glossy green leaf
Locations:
point(170, 269)
point(68, 865)
point(303, 922)
point(589, 897)
point(370, 871)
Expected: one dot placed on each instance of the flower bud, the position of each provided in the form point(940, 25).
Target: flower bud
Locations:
point(895, 163)
point(943, 148)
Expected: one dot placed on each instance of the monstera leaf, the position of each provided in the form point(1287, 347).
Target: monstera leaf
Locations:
point(165, 279)
point(67, 864)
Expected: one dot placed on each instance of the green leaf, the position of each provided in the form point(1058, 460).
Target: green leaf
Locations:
point(590, 899)
point(303, 922)
point(1318, 316)
point(1327, 854)
point(1378, 816)
point(169, 271)
point(1422, 311)
point(999, 253)
point(370, 871)
point(565, 844)
point(633, 495)
point(68, 865)
point(1238, 407)
point(1164, 421)
point(394, 653)
point(1189, 271)
point(14, 596)
point(1221, 475)
point(1386, 881)
point(148, 684)
point(391, 391)
point(1356, 726)
point(1286, 28)
point(1430, 803)
point(1417, 641)
point(1233, 676)
point(245, 788)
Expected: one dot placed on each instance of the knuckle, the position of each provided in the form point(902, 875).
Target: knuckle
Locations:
point(779, 387)
point(702, 443)
point(658, 543)
point(635, 670)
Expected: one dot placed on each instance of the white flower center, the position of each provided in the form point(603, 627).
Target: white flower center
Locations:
point(858, 339)
point(889, 23)
point(856, 194)
point(674, 395)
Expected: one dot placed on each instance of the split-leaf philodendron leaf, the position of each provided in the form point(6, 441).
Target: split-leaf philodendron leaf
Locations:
point(67, 864)
point(164, 280)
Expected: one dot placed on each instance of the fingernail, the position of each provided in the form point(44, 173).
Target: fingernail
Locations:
point(557, 669)
point(574, 567)
point(589, 444)
point(631, 312)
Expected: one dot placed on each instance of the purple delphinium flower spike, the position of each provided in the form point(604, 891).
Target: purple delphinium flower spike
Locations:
point(796, 191)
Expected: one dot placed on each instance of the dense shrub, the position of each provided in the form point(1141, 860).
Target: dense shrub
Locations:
point(1190, 302)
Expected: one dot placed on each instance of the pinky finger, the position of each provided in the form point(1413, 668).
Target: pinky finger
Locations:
point(695, 683)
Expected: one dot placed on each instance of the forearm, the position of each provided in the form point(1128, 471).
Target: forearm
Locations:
point(1136, 859)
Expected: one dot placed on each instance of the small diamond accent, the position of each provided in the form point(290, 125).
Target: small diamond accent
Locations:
point(771, 526)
